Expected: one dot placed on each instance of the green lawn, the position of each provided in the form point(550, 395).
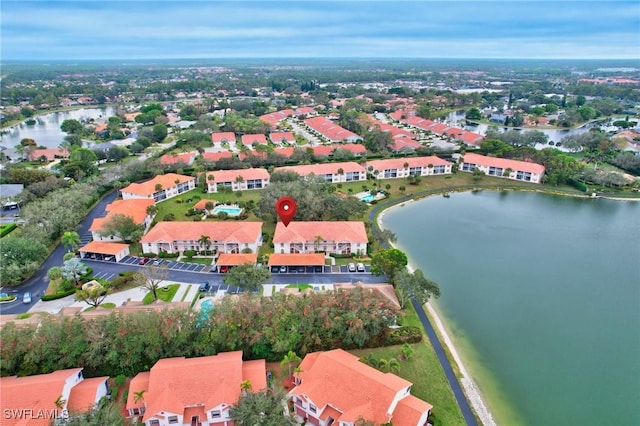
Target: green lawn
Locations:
point(200, 260)
point(300, 287)
point(177, 208)
point(165, 294)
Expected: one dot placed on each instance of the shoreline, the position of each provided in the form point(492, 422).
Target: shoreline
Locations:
point(469, 387)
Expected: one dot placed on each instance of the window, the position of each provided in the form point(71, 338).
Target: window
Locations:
point(312, 408)
point(173, 419)
point(390, 173)
point(215, 414)
point(468, 167)
point(415, 171)
point(438, 170)
point(352, 176)
point(154, 422)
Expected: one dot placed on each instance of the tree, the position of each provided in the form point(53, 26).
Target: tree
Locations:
point(247, 276)
point(205, 241)
point(138, 396)
point(376, 140)
point(388, 262)
point(477, 174)
point(289, 359)
point(390, 365)
point(73, 269)
point(151, 278)
point(265, 408)
point(319, 239)
point(414, 286)
point(54, 273)
point(123, 227)
point(20, 257)
point(105, 413)
point(71, 239)
point(93, 296)
point(71, 126)
point(159, 132)
point(473, 114)
point(407, 351)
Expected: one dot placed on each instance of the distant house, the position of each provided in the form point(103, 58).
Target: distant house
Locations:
point(411, 166)
point(331, 131)
point(48, 154)
point(330, 237)
point(332, 172)
point(402, 144)
point(224, 137)
point(502, 167)
point(278, 138)
point(336, 388)
point(274, 118)
point(193, 391)
point(237, 180)
point(50, 395)
point(185, 159)
point(225, 237)
point(160, 188)
point(134, 208)
point(254, 139)
point(328, 150)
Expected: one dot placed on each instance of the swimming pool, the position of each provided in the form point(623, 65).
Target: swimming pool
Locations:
point(205, 308)
point(367, 198)
point(231, 211)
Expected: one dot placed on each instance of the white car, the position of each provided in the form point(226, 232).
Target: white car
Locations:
point(360, 267)
point(351, 267)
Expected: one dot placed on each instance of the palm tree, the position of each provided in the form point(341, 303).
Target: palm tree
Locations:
point(152, 210)
point(158, 187)
point(288, 359)
point(208, 206)
point(407, 351)
point(405, 165)
point(71, 239)
point(389, 365)
point(138, 396)
point(340, 171)
point(205, 241)
point(245, 387)
point(60, 402)
point(317, 242)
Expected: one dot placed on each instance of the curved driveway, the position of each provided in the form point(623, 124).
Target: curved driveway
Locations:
point(465, 408)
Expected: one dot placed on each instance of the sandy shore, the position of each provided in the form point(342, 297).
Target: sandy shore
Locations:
point(469, 387)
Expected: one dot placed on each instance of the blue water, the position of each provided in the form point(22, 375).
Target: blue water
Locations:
point(231, 211)
point(205, 308)
point(367, 198)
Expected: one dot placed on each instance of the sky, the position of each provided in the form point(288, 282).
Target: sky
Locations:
point(89, 29)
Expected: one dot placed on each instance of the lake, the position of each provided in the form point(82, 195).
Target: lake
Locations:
point(46, 131)
point(541, 295)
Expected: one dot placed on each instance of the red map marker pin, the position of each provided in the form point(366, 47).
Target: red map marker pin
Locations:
point(286, 209)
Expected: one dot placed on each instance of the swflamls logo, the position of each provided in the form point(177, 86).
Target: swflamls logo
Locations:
point(30, 414)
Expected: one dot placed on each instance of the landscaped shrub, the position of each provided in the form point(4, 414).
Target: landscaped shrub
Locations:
point(150, 255)
point(169, 217)
point(189, 253)
point(56, 296)
point(5, 229)
point(406, 334)
point(578, 185)
point(341, 256)
point(165, 255)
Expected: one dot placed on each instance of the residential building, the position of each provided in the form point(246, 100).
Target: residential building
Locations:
point(330, 130)
point(43, 398)
point(225, 237)
point(336, 388)
point(161, 187)
point(343, 237)
point(193, 391)
point(48, 154)
point(185, 159)
point(237, 180)
point(502, 167)
point(279, 138)
point(254, 139)
point(137, 209)
point(223, 137)
point(332, 172)
point(328, 150)
point(410, 166)
point(402, 144)
point(274, 118)
point(112, 252)
point(212, 157)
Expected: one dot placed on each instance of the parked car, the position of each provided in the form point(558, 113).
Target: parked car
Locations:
point(205, 286)
point(157, 262)
point(360, 267)
point(224, 269)
point(302, 269)
point(351, 267)
point(143, 260)
point(283, 269)
point(26, 298)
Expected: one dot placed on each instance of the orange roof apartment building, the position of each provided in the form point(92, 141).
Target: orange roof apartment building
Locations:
point(348, 171)
point(335, 388)
point(237, 180)
point(134, 208)
point(193, 391)
point(161, 187)
point(31, 400)
point(493, 166)
point(330, 130)
point(225, 237)
point(330, 237)
point(411, 166)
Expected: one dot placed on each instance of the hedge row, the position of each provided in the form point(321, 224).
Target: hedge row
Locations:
point(5, 229)
point(56, 296)
point(578, 185)
point(405, 334)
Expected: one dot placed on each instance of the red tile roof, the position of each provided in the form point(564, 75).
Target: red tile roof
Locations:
point(231, 175)
point(140, 382)
point(83, 395)
point(409, 410)
point(173, 159)
point(238, 232)
point(324, 169)
point(274, 118)
point(134, 208)
point(235, 259)
point(329, 129)
point(252, 139)
point(305, 110)
point(339, 231)
point(148, 188)
point(176, 384)
point(296, 259)
point(278, 137)
point(398, 163)
point(215, 156)
point(229, 137)
point(356, 390)
point(50, 153)
point(202, 204)
point(400, 144)
point(327, 150)
point(33, 392)
point(503, 163)
point(103, 247)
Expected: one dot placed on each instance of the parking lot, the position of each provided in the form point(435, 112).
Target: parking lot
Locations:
point(171, 264)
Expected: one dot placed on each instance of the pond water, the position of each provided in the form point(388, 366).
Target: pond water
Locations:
point(541, 295)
